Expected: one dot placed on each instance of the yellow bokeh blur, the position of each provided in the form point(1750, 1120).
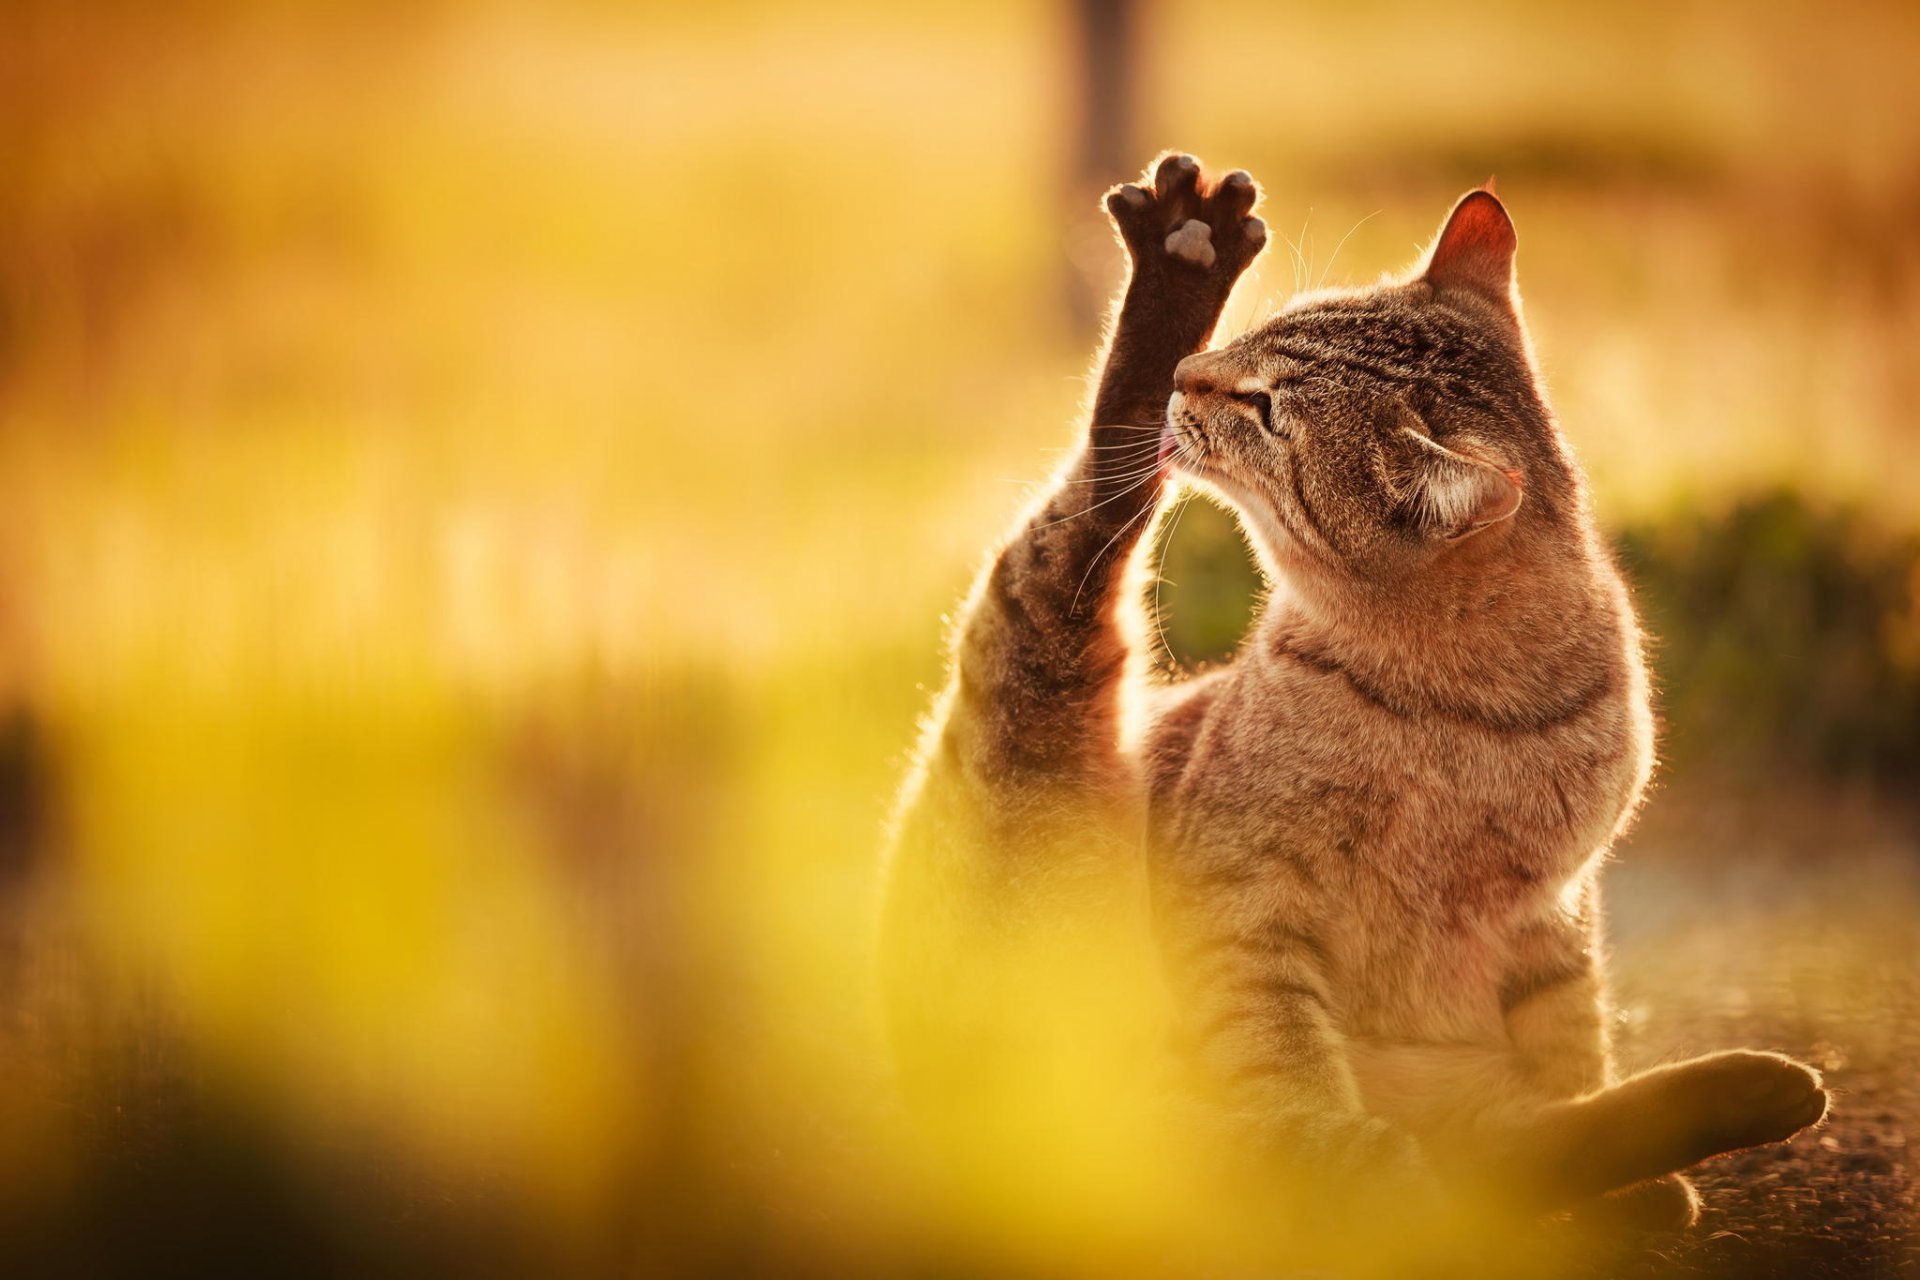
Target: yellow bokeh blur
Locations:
point(480, 486)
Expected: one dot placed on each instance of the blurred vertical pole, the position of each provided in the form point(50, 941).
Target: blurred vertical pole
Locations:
point(1105, 35)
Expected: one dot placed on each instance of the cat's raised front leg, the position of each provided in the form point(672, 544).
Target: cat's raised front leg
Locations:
point(1042, 650)
point(1017, 854)
point(1188, 241)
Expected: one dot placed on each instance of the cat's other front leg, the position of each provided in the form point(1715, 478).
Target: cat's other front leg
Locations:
point(1555, 1003)
point(1261, 1031)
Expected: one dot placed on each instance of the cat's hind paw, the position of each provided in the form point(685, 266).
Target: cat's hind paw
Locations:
point(1659, 1204)
point(1749, 1098)
point(1727, 1101)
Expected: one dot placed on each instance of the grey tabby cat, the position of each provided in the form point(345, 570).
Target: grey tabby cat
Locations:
point(1370, 846)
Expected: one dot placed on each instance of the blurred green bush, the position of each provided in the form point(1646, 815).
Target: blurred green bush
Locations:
point(1785, 632)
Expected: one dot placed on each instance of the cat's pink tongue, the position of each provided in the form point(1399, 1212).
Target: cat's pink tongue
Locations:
point(1167, 445)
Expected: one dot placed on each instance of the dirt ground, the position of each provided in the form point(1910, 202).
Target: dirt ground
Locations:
point(1755, 920)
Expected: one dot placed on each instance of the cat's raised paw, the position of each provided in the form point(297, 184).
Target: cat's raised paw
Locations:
point(1193, 241)
point(1179, 215)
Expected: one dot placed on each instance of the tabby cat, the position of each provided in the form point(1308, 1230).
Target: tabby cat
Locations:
point(1369, 848)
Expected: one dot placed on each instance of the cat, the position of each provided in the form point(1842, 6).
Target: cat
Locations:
point(1368, 849)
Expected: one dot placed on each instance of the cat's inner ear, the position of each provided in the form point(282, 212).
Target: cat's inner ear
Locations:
point(1474, 249)
point(1451, 496)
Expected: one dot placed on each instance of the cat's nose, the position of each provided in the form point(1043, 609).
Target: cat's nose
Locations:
point(1190, 376)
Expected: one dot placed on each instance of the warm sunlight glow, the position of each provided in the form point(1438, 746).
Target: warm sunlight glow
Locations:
point(480, 488)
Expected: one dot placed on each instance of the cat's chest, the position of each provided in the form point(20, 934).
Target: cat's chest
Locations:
point(1388, 812)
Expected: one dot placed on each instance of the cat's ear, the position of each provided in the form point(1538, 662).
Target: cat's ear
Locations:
point(1451, 496)
point(1474, 249)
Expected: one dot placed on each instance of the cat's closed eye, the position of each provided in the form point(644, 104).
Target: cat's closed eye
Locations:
point(1258, 401)
point(1261, 402)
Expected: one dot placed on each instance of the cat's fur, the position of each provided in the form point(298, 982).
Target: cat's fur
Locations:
point(1372, 842)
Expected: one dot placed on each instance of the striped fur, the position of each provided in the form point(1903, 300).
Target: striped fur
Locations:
point(1372, 842)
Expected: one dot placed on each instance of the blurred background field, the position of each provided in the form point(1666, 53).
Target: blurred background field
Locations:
point(480, 486)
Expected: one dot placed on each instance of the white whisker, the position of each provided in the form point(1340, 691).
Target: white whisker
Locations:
point(1101, 553)
point(1074, 515)
point(1160, 577)
point(1343, 243)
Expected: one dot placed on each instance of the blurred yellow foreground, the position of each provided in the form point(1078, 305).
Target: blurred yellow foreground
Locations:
point(479, 486)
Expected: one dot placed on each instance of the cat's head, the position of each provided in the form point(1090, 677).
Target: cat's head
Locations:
point(1371, 435)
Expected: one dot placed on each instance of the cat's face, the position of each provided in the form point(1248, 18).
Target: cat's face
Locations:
point(1369, 434)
